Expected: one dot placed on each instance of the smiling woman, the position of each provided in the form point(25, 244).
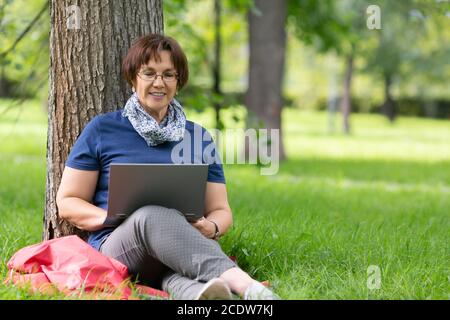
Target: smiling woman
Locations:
point(157, 244)
point(155, 70)
point(156, 85)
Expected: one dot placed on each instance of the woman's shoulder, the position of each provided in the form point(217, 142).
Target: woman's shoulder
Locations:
point(111, 120)
point(107, 118)
point(197, 131)
point(111, 115)
point(191, 126)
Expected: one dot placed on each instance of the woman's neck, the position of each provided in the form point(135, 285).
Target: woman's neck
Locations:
point(158, 116)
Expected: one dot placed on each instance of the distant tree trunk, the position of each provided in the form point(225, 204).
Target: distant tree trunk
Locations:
point(346, 105)
point(217, 62)
point(3, 82)
point(85, 77)
point(388, 107)
point(266, 66)
point(333, 100)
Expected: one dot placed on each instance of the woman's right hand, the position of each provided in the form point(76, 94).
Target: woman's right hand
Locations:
point(206, 227)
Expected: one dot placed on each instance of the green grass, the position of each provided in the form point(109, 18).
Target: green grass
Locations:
point(338, 205)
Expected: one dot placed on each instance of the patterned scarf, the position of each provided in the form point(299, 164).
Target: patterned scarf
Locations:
point(171, 128)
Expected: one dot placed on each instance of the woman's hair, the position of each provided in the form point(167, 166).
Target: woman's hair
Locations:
point(148, 47)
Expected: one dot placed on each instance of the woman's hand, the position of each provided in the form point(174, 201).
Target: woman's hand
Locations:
point(206, 227)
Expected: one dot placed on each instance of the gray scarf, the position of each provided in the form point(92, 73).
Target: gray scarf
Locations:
point(171, 128)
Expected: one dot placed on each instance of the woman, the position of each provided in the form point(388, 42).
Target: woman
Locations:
point(157, 244)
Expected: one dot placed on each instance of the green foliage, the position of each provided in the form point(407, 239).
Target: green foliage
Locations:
point(187, 22)
point(24, 70)
point(399, 30)
point(316, 23)
point(359, 105)
point(436, 108)
point(411, 48)
point(240, 6)
point(405, 106)
point(413, 45)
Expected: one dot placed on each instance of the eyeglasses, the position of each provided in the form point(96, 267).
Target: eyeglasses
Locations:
point(167, 76)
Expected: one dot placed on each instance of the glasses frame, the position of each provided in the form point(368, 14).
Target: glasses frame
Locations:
point(159, 75)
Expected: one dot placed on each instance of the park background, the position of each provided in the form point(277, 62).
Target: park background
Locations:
point(365, 113)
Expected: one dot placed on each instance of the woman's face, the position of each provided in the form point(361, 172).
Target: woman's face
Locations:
point(156, 95)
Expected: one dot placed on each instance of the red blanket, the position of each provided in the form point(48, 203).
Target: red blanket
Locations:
point(72, 266)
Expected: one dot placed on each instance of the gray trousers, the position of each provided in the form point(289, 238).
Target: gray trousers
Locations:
point(161, 249)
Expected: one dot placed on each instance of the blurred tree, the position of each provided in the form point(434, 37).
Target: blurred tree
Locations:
point(399, 31)
point(3, 80)
point(267, 39)
point(203, 49)
point(23, 44)
point(404, 47)
point(317, 23)
point(217, 92)
point(314, 22)
point(353, 15)
point(87, 44)
point(205, 38)
point(339, 26)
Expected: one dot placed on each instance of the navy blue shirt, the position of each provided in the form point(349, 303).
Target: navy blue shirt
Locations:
point(110, 138)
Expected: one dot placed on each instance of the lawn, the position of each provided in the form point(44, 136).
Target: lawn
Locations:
point(338, 205)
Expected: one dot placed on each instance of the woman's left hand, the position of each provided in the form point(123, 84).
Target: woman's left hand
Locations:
point(206, 227)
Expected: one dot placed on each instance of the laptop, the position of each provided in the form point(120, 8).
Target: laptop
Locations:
point(134, 185)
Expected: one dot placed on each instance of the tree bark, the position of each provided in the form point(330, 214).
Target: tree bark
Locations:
point(388, 107)
point(85, 78)
point(346, 105)
point(267, 39)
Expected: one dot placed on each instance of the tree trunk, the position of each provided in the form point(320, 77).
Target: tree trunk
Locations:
point(346, 105)
point(217, 62)
point(388, 107)
point(267, 39)
point(3, 81)
point(85, 77)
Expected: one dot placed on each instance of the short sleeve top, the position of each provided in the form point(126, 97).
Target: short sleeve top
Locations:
point(110, 138)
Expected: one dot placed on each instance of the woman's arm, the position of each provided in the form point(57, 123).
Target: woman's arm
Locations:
point(217, 210)
point(74, 198)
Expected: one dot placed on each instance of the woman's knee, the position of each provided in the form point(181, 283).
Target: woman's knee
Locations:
point(154, 215)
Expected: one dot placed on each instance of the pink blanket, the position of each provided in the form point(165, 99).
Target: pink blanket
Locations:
point(72, 266)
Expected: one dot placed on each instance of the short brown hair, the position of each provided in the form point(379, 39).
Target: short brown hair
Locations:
point(148, 47)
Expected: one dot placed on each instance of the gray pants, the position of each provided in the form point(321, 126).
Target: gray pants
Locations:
point(161, 249)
